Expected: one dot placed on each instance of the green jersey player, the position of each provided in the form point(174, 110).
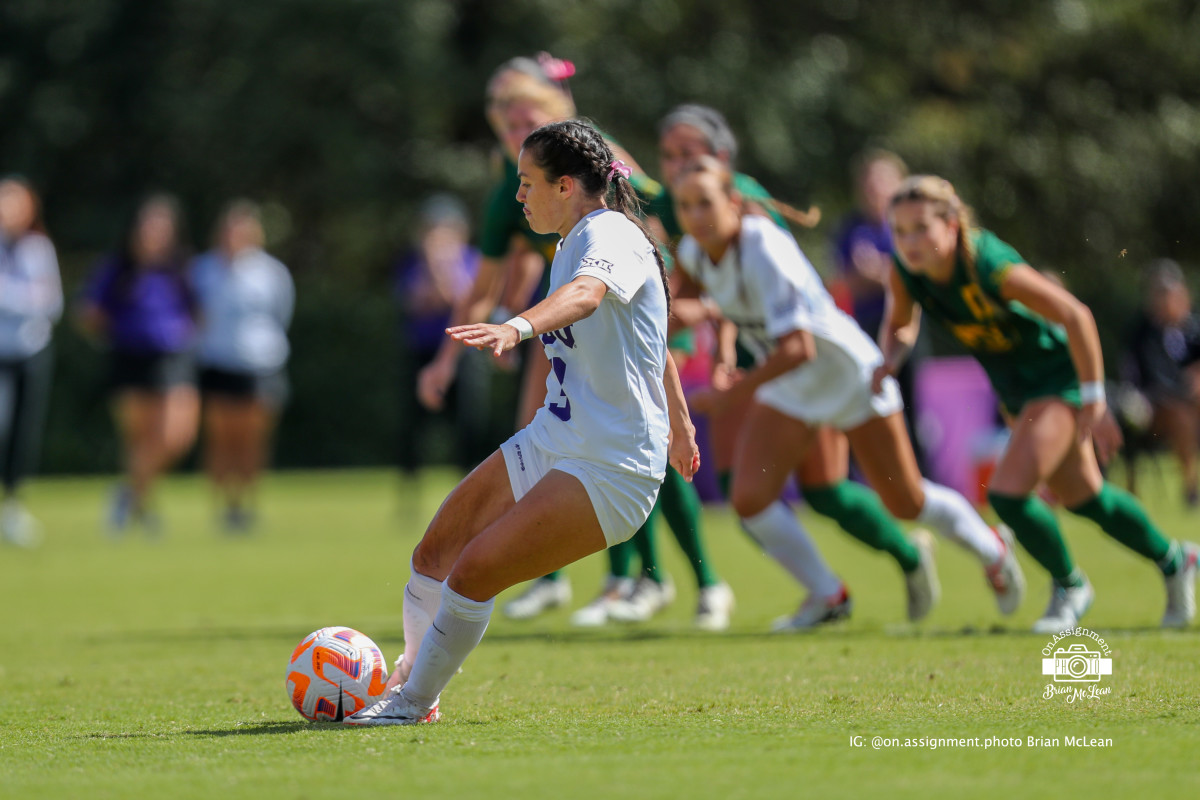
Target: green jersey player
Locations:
point(1041, 351)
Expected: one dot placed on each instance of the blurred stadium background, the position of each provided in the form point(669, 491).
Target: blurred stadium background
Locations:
point(1072, 125)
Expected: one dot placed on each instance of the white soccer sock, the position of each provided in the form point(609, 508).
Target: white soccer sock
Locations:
point(454, 633)
point(784, 538)
point(422, 596)
point(949, 513)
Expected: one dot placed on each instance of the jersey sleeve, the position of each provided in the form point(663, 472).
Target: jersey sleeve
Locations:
point(686, 257)
point(778, 269)
point(993, 260)
point(611, 252)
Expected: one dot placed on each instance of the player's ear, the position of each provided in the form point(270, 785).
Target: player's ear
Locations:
point(566, 186)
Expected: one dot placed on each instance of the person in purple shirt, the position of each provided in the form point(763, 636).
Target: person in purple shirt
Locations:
point(863, 249)
point(429, 279)
point(138, 303)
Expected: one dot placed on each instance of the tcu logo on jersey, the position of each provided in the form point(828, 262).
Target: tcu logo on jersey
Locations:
point(564, 335)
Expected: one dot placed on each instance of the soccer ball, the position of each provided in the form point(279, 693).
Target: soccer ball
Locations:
point(333, 673)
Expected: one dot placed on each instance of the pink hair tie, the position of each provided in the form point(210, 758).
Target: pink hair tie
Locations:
point(556, 69)
point(619, 167)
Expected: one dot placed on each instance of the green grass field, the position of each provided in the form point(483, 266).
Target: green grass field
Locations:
point(154, 668)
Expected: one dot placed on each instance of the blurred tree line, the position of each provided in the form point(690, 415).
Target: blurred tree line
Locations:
point(1073, 127)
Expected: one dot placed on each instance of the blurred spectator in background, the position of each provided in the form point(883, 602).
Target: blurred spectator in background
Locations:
point(31, 302)
point(138, 302)
point(1163, 352)
point(430, 279)
point(863, 241)
point(863, 249)
point(245, 299)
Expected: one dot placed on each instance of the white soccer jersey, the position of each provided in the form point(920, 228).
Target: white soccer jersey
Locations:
point(768, 288)
point(605, 400)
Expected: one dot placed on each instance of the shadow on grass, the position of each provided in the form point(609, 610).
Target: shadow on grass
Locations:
point(255, 729)
point(271, 728)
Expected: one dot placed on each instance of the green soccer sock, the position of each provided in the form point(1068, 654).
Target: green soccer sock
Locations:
point(1122, 517)
point(725, 482)
point(680, 505)
point(860, 513)
point(1037, 530)
point(620, 557)
point(647, 549)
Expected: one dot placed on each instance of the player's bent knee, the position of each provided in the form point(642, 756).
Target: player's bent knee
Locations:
point(474, 579)
point(430, 558)
point(749, 503)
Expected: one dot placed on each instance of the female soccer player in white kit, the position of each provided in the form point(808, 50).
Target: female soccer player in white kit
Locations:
point(814, 368)
point(584, 474)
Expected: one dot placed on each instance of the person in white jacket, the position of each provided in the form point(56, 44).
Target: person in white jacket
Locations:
point(31, 301)
point(245, 299)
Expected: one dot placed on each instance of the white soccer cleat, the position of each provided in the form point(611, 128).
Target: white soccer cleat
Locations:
point(541, 596)
point(816, 611)
point(393, 709)
point(921, 585)
point(1067, 606)
point(1005, 576)
point(1181, 589)
point(647, 599)
point(714, 607)
point(595, 613)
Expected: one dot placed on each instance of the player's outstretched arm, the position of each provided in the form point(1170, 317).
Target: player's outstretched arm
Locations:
point(566, 305)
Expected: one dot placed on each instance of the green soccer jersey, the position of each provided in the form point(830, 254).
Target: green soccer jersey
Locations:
point(504, 218)
point(1025, 356)
point(663, 206)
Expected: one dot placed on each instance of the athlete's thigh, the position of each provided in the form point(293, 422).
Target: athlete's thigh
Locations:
point(480, 499)
point(884, 453)
point(138, 413)
point(1176, 421)
point(1078, 478)
point(723, 432)
point(1043, 434)
point(181, 417)
point(770, 447)
point(827, 461)
point(551, 526)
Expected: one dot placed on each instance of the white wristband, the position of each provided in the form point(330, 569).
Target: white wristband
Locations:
point(1091, 392)
point(523, 327)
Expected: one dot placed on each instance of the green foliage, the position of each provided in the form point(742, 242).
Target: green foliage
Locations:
point(1072, 126)
point(154, 668)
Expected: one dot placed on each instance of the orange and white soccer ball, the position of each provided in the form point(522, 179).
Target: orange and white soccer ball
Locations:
point(333, 673)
